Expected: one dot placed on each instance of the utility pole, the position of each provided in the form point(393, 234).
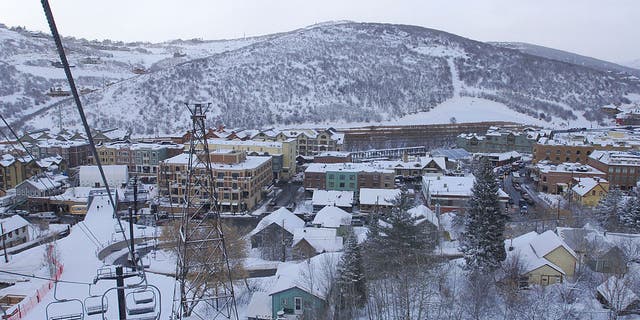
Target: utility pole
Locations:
point(133, 255)
point(122, 302)
point(4, 244)
point(135, 197)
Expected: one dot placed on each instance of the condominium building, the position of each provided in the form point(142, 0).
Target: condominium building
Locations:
point(14, 170)
point(282, 152)
point(239, 179)
point(499, 140)
point(142, 159)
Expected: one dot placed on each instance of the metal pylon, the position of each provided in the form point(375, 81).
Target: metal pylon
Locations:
point(204, 288)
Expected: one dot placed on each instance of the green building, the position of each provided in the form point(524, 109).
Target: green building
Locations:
point(342, 180)
point(297, 301)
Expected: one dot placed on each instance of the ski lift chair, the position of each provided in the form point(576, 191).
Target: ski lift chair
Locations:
point(143, 303)
point(64, 306)
point(95, 304)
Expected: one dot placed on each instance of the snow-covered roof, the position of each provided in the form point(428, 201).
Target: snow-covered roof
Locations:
point(381, 197)
point(617, 292)
point(49, 161)
point(259, 306)
point(549, 241)
point(12, 223)
point(321, 239)
point(503, 156)
point(566, 167)
point(585, 185)
point(313, 275)
point(532, 247)
point(332, 197)
point(332, 217)
point(616, 157)
point(282, 217)
point(337, 154)
point(44, 184)
point(8, 159)
point(453, 186)
point(423, 213)
point(346, 167)
point(244, 143)
point(419, 163)
point(251, 162)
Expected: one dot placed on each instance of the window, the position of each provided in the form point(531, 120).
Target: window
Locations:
point(353, 177)
point(342, 177)
point(341, 184)
point(297, 301)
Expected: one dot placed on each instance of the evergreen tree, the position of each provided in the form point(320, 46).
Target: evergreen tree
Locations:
point(483, 238)
point(396, 240)
point(629, 217)
point(351, 282)
point(609, 209)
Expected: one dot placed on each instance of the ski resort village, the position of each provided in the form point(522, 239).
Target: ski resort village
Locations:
point(339, 171)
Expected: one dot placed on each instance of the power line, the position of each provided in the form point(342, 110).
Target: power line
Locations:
point(43, 278)
point(76, 97)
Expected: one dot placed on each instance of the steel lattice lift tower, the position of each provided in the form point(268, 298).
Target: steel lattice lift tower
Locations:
point(203, 273)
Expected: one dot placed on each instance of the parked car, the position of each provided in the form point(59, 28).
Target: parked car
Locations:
point(524, 210)
point(48, 216)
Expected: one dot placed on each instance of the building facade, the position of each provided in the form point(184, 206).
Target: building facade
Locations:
point(141, 159)
point(347, 177)
point(239, 179)
point(498, 140)
point(557, 179)
point(622, 168)
point(283, 153)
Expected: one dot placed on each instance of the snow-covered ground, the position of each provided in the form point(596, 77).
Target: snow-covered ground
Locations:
point(77, 253)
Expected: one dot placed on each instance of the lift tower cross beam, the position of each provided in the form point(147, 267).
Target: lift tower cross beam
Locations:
point(204, 288)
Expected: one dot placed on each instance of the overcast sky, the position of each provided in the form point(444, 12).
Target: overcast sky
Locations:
point(606, 29)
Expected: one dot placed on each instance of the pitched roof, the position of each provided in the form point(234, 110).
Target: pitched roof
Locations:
point(423, 213)
point(532, 247)
point(332, 217)
point(321, 239)
point(12, 223)
point(547, 242)
point(585, 185)
point(282, 217)
point(616, 291)
point(332, 197)
point(382, 197)
point(300, 275)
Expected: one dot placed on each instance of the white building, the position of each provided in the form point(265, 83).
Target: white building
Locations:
point(14, 231)
point(117, 175)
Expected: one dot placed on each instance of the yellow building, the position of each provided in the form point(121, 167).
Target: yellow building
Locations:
point(14, 170)
point(589, 191)
point(239, 179)
point(282, 152)
point(545, 258)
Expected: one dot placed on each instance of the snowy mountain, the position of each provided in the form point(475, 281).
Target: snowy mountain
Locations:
point(569, 57)
point(338, 72)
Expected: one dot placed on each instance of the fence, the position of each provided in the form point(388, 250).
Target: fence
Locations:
point(20, 310)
